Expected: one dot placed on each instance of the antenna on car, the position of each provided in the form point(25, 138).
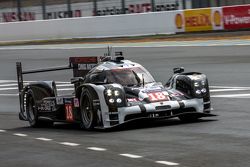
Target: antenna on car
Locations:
point(109, 52)
point(107, 56)
point(117, 57)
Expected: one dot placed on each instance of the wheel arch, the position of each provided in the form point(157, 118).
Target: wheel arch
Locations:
point(85, 86)
point(39, 90)
point(42, 89)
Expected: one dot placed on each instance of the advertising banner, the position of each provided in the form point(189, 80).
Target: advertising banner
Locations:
point(236, 17)
point(217, 18)
point(179, 21)
point(198, 20)
point(26, 14)
point(114, 7)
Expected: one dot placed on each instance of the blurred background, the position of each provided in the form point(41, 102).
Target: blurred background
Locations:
point(26, 10)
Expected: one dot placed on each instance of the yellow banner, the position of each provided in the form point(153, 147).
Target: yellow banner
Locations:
point(198, 20)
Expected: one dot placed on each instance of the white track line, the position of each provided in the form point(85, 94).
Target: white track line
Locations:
point(2, 89)
point(8, 95)
point(232, 95)
point(8, 88)
point(69, 144)
point(131, 156)
point(65, 89)
point(5, 85)
point(2, 130)
point(226, 90)
point(96, 149)
point(62, 82)
point(167, 163)
point(230, 87)
point(15, 81)
point(43, 139)
point(11, 85)
point(65, 85)
point(20, 134)
point(7, 81)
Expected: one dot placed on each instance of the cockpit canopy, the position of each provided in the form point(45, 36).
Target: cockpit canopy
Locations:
point(125, 76)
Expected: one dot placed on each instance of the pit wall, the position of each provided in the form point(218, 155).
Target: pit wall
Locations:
point(170, 22)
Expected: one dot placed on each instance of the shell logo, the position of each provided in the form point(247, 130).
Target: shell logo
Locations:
point(179, 21)
point(217, 18)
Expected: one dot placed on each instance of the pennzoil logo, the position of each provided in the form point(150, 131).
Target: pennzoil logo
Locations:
point(217, 18)
point(179, 21)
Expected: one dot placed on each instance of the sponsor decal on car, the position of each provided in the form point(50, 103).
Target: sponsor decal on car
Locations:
point(76, 102)
point(86, 66)
point(67, 100)
point(47, 106)
point(133, 99)
point(59, 101)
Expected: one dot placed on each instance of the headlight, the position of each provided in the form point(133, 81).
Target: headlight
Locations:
point(196, 84)
point(109, 92)
point(203, 83)
point(111, 101)
point(114, 97)
point(200, 88)
point(198, 92)
point(116, 93)
point(119, 100)
point(204, 90)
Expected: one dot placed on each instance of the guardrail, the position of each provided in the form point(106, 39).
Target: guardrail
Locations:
point(207, 19)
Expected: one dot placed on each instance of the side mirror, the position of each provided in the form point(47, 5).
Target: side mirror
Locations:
point(178, 70)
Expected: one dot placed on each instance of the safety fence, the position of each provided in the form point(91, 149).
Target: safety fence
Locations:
point(169, 22)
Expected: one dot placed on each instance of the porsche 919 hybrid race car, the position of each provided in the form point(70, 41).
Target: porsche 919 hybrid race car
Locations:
point(109, 91)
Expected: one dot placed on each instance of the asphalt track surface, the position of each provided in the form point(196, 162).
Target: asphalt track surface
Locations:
point(222, 141)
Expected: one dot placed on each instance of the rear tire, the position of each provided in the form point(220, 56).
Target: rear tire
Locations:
point(88, 112)
point(32, 113)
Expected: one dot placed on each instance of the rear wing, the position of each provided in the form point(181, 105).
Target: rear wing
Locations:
point(80, 65)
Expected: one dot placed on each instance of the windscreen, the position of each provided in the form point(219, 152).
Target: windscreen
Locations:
point(129, 76)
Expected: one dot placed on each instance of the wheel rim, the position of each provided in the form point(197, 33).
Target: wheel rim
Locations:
point(87, 115)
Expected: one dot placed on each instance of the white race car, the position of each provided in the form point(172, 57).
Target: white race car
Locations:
point(110, 91)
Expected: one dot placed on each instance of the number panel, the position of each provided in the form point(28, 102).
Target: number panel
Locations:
point(157, 96)
point(69, 112)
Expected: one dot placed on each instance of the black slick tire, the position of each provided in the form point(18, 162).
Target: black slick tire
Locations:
point(88, 112)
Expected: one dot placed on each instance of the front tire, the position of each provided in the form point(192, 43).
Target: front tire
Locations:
point(88, 112)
